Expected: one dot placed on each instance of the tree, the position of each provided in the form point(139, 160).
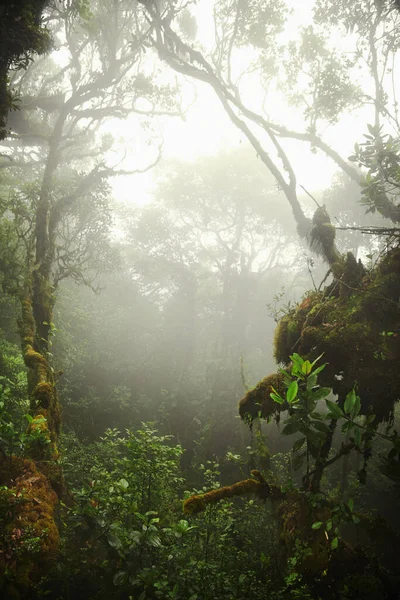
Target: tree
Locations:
point(316, 80)
point(22, 35)
point(56, 223)
point(343, 322)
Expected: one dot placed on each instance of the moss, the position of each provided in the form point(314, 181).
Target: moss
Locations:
point(353, 274)
point(44, 394)
point(258, 401)
point(33, 359)
point(281, 345)
point(258, 486)
point(31, 516)
point(322, 236)
point(54, 474)
point(348, 324)
point(40, 378)
point(296, 518)
point(288, 332)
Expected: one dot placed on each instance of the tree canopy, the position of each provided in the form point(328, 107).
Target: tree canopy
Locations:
point(140, 373)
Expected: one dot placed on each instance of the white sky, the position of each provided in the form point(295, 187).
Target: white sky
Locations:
point(207, 129)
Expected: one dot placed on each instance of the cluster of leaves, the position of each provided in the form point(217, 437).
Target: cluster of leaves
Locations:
point(21, 36)
point(328, 90)
point(16, 441)
point(125, 532)
point(380, 156)
point(341, 513)
point(14, 419)
point(302, 397)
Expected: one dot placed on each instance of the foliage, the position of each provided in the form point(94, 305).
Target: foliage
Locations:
point(350, 315)
point(22, 35)
point(379, 155)
point(17, 442)
point(305, 417)
point(166, 340)
point(132, 537)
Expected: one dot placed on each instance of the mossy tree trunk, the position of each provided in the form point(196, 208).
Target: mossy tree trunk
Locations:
point(37, 300)
point(53, 215)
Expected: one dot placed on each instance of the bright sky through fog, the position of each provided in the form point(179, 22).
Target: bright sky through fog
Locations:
point(207, 129)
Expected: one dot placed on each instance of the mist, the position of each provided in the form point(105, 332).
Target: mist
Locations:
point(199, 300)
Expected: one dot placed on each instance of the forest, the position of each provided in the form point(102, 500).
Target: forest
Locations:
point(199, 299)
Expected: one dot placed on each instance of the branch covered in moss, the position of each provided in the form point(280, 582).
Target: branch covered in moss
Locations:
point(257, 486)
point(258, 402)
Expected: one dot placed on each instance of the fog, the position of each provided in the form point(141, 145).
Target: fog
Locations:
point(180, 219)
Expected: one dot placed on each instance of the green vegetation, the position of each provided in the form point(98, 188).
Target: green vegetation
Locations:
point(22, 36)
point(160, 438)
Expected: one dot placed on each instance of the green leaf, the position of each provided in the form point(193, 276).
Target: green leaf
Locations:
point(315, 438)
point(320, 426)
point(297, 360)
point(123, 484)
point(335, 543)
point(319, 369)
point(183, 525)
point(290, 428)
point(350, 401)
point(316, 360)
point(306, 367)
point(154, 540)
point(311, 381)
point(277, 398)
point(317, 415)
point(348, 426)
point(320, 393)
point(317, 525)
point(291, 392)
point(350, 504)
point(120, 578)
point(369, 420)
point(298, 444)
point(328, 525)
point(356, 408)
point(357, 437)
point(334, 409)
point(114, 541)
point(297, 461)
